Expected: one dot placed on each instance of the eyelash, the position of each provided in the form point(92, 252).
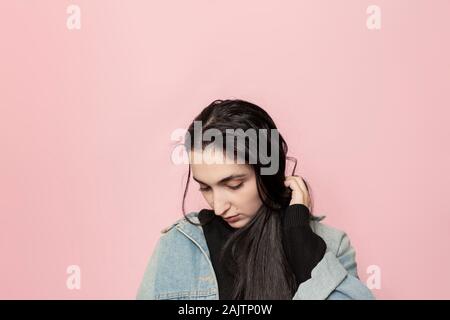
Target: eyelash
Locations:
point(232, 188)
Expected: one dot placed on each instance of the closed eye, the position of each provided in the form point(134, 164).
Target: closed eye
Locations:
point(231, 187)
point(236, 187)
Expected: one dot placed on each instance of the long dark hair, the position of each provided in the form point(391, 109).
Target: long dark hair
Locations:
point(260, 266)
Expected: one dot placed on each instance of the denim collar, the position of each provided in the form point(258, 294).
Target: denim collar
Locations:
point(193, 232)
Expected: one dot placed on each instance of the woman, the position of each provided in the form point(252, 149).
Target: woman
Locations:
point(260, 239)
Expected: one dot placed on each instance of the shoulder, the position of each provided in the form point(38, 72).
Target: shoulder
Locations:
point(338, 243)
point(337, 240)
point(172, 241)
point(193, 216)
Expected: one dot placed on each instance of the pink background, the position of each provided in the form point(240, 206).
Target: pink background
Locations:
point(86, 117)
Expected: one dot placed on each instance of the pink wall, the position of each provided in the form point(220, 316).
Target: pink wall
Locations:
point(86, 115)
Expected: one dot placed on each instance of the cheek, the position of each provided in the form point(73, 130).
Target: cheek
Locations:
point(249, 201)
point(208, 197)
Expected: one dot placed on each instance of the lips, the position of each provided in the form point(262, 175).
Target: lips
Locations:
point(232, 218)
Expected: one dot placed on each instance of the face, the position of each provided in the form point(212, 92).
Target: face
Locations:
point(229, 188)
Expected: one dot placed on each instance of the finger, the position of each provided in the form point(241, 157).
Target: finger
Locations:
point(293, 184)
point(301, 183)
point(298, 196)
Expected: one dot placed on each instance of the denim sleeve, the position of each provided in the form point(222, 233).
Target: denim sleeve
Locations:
point(146, 289)
point(335, 277)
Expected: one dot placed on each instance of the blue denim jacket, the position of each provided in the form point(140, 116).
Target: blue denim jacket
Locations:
point(180, 267)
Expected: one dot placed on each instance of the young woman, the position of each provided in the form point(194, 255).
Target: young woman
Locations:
point(260, 239)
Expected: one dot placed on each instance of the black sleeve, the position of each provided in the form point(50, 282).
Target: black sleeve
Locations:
point(304, 249)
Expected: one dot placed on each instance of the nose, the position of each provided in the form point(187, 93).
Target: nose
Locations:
point(220, 204)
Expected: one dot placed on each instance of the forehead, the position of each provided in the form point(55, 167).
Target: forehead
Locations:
point(211, 170)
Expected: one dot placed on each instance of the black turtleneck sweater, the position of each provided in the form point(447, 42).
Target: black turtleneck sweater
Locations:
point(216, 233)
point(303, 248)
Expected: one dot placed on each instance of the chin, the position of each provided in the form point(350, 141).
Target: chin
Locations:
point(238, 224)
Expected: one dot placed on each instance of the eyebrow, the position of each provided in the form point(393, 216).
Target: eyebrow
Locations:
point(226, 179)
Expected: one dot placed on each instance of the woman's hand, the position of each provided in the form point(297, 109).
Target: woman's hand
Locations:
point(300, 194)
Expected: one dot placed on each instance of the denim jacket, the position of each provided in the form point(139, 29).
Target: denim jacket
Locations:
point(180, 267)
